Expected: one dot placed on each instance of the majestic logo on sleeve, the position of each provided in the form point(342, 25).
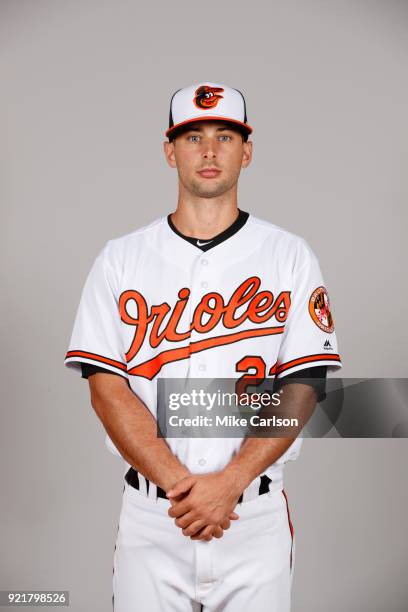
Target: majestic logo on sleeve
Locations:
point(207, 97)
point(259, 307)
point(319, 308)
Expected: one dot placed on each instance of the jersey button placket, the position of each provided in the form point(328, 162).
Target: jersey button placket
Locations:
point(198, 287)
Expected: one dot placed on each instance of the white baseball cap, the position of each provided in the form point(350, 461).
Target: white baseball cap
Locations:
point(207, 101)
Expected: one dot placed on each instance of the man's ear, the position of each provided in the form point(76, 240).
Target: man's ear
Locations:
point(169, 153)
point(246, 153)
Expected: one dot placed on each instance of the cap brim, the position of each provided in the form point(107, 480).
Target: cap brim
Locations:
point(246, 128)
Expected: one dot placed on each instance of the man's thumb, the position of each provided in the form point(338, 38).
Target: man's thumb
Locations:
point(181, 487)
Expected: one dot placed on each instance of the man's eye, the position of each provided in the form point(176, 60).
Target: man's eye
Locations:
point(225, 137)
point(194, 138)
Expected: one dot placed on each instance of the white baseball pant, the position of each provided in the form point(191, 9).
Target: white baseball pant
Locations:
point(158, 569)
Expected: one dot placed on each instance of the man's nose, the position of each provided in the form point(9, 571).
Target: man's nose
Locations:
point(209, 148)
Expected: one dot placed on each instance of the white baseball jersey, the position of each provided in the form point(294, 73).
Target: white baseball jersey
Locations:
point(155, 305)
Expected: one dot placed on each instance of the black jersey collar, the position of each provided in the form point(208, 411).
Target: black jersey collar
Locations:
point(207, 243)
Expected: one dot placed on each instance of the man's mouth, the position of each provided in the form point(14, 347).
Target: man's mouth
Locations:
point(209, 172)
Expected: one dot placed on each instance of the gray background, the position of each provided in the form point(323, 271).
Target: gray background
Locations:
point(84, 104)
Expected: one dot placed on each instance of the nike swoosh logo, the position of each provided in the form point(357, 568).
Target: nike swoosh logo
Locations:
point(203, 243)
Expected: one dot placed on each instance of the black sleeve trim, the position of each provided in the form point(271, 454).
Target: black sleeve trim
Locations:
point(316, 378)
point(88, 369)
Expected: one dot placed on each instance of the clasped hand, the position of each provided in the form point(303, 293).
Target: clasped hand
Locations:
point(203, 505)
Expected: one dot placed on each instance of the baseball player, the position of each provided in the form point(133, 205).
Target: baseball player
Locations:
point(208, 291)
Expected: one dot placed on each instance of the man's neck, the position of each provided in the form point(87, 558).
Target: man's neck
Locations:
point(204, 217)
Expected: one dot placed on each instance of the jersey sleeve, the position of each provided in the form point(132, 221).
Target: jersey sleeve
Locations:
point(97, 336)
point(309, 338)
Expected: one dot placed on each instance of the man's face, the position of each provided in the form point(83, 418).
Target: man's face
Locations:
point(208, 156)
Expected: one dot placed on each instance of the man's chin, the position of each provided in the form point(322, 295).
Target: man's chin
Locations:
point(210, 191)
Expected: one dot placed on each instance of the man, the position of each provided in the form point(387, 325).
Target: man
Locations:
point(209, 291)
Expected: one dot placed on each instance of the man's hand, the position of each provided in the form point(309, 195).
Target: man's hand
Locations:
point(211, 530)
point(201, 503)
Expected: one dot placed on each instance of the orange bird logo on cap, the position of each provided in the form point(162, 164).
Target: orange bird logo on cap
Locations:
point(207, 96)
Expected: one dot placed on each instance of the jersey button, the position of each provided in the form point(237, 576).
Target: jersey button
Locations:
point(204, 262)
point(204, 284)
point(202, 462)
point(202, 367)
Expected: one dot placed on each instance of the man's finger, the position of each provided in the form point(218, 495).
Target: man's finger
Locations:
point(178, 509)
point(185, 521)
point(178, 498)
point(216, 530)
point(208, 532)
point(193, 528)
point(182, 486)
point(225, 524)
